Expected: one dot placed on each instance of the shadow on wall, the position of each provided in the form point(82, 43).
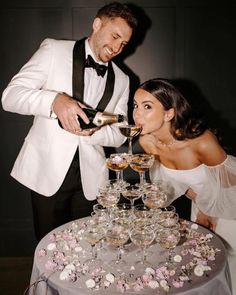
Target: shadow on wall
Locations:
point(225, 133)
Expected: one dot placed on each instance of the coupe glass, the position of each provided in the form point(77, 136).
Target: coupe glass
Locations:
point(130, 131)
point(117, 235)
point(123, 210)
point(154, 199)
point(108, 198)
point(118, 162)
point(93, 234)
point(143, 211)
point(169, 219)
point(168, 238)
point(132, 192)
point(142, 237)
point(141, 163)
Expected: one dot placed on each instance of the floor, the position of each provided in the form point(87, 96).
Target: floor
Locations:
point(15, 274)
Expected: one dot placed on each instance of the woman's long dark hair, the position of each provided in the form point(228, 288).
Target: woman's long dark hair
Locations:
point(185, 123)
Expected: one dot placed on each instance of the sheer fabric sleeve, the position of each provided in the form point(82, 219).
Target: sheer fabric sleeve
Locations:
point(217, 196)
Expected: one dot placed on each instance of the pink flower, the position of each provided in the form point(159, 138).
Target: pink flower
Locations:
point(52, 237)
point(51, 265)
point(177, 284)
point(42, 252)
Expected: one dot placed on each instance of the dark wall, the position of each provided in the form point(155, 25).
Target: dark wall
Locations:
point(192, 42)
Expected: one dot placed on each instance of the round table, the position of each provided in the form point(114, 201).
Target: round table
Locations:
point(58, 266)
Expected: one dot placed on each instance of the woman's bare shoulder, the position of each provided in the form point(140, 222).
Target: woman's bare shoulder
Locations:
point(208, 149)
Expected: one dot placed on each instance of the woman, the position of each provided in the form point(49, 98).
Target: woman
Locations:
point(189, 156)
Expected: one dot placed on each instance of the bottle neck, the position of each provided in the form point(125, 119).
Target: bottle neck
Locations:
point(105, 118)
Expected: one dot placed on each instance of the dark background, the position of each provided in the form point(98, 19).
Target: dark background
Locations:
point(192, 42)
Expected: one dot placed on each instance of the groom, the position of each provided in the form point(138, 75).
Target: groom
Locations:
point(64, 168)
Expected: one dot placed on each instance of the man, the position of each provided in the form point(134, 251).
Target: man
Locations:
point(64, 167)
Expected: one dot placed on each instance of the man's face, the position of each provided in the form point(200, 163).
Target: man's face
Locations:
point(109, 37)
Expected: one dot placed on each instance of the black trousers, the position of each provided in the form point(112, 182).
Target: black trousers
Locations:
point(67, 204)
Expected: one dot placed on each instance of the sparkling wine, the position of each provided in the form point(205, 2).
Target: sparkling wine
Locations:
point(129, 195)
point(117, 240)
point(141, 162)
point(168, 240)
point(93, 237)
point(142, 239)
point(108, 199)
point(117, 162)
point(130, 130)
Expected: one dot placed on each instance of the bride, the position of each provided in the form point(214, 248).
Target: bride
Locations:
point(189, 155)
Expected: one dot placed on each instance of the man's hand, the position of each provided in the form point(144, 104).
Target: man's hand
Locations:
point(207, 221)
point(67, 109)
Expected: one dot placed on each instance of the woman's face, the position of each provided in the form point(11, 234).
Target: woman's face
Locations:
point(148, 112)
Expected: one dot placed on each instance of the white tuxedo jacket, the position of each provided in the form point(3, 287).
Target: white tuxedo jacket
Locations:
point(48, 150)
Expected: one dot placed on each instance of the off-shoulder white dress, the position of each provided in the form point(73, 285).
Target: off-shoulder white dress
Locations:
point(215, 187)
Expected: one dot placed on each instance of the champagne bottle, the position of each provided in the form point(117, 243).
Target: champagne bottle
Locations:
point(98, 119)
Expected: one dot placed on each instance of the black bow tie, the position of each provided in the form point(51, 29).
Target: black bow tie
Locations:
point(100, 69)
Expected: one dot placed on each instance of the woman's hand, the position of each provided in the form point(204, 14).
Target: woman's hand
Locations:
point(148, 143)
point(191, 194)
point(206, 220)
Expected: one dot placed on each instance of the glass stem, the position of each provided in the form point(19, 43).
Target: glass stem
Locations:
point(94, 252)
point(118, 175)
point(132, 204)
point(130, 146)
point(119, 254)
point(144, 255)
point(142, 177)
point(121, 175)
point(170, 254)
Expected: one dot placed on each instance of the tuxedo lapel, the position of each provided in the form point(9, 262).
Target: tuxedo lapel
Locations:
point(78, 76)
point(108, 89)
point(78, 70)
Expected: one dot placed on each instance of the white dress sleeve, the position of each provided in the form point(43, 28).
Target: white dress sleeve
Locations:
point(217, 196)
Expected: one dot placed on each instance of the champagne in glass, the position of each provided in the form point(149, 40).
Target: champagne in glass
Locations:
point(141, 163)
point(130, 131)
point(117, 235)
point(168, 238)
point(142, 237)
point(132, 192)
point(118, 162)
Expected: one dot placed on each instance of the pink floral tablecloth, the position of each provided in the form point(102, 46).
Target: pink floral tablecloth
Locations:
point(200, 259)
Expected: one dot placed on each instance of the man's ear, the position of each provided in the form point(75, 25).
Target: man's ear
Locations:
point(169, 115)
point(97, 23)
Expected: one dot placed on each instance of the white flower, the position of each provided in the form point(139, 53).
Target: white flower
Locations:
point(172, 272)
point(194, 226)
point(163, 283)
point(206, 267)
point(209, 236)
point(78, 249)
point(150, 270)
point(197, 254)
point(110, 278)
point(153, 284)
point(90, 283)
point(132, 268)
point(177, 258)
point(64, 275)
point(70, 266)
point(106, 284)
point(199, 270)
point(51, 246)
